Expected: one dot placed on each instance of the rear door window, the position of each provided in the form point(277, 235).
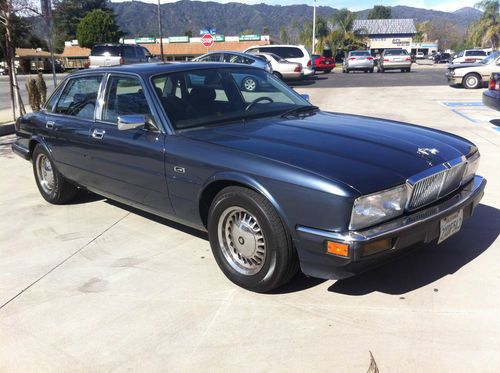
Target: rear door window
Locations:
point(79, 97)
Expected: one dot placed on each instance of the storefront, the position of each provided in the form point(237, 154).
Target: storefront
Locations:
point(387, 33)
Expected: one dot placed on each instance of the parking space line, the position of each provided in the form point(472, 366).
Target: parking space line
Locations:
point(475, 112)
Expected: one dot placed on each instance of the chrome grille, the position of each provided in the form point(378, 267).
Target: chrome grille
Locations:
point(445, 180)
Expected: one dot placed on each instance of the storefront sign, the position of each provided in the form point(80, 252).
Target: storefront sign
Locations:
point(178, 39)
point(249, 37)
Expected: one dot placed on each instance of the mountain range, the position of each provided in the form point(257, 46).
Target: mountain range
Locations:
point(136, 18)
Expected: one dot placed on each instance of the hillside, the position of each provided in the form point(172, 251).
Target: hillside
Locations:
point(140, 19)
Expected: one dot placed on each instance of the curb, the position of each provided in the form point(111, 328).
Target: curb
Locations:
point(7, 129)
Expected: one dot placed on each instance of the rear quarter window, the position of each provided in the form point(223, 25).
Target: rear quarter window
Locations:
point(476, 53)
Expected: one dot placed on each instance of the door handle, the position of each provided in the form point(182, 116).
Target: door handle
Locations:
point(98, 134)
point(49, 125)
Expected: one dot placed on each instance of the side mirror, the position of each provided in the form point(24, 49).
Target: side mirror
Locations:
point(130, 122)
point(306, 97)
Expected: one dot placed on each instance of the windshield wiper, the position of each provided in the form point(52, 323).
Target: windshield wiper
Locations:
point(297, 111)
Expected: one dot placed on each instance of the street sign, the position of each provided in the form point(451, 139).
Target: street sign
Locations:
point(207, 40)
point(145, 40)
point(249, 37)
point(219, 38)
point(178, 39)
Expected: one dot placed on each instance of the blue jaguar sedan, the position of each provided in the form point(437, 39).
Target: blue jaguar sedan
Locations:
point(277, 183)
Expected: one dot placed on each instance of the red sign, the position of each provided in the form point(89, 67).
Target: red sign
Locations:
point(207, 40)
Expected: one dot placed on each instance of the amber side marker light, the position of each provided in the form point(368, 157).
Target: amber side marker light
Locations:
point(339, 249)
point(376, 246)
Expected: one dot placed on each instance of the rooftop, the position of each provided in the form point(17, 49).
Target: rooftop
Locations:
point(386, 26)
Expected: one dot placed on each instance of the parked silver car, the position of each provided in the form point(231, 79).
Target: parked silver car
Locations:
point(235, 57)
point(282, 68)
point(248, 83)
point(358, 61)
point(394, 59)
point(119, 54)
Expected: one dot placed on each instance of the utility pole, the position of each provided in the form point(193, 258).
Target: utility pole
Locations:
point(47, 15)
point(160, 32)
point(314, 29)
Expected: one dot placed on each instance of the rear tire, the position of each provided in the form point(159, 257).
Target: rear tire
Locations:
point(371, 71)
point(249, 241)
point(278, 75)
point(328, 71)
point(51, 184)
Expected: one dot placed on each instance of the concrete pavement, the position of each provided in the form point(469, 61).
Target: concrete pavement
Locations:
point(96, 286)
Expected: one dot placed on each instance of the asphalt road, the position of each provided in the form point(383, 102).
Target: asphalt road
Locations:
point(420, 76)
point(5, 91)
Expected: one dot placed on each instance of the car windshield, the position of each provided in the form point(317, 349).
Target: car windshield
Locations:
point(211, 97)
point(490, 58)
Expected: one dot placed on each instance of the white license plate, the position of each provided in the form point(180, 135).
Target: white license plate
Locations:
point(398, 59)
point(450, 225)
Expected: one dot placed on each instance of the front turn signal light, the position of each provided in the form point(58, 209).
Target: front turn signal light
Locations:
point(338, 249)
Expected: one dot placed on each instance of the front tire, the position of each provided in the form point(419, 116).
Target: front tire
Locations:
point(51, 184)
point(471, 81)
point(249, 241)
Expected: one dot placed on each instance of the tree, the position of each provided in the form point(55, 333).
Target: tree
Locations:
point(188, 33)
point(322, 31)
point(69, 13)
point(343, 36)
point(380, 12)
point(97, 27)
point(486, 31)
point(265, 30)
point(284, 38)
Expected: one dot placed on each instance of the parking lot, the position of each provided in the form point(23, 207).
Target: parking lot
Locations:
point(98, 286)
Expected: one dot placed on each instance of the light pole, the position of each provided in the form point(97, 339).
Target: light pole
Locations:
point(160, 31)
point(314, 29)
point(49, 24)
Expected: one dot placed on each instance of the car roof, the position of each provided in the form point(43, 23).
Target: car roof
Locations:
point(148, 69)
point(228, 51)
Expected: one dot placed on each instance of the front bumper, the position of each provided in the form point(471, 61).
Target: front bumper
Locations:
point(452, 79)
point(408, 231)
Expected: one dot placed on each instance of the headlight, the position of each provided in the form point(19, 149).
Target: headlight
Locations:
point(472, 165)
point(452, 72)
point(377, 207)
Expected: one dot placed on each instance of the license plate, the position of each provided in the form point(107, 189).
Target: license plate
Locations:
point(398, 59)
point(327, 63)
point(450, 225)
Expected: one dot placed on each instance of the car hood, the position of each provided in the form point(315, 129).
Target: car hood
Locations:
point(367, 154)
point(462, 65)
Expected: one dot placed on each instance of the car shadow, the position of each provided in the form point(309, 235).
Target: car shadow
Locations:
point(160, 220)
point(306, 81)
point(495, 122)
point(425, 265)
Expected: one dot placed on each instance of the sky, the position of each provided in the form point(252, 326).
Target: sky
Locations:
point(444, 5)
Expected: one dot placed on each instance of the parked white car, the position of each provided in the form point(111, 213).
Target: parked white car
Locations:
point(282, 68)
point(292, 53)
point(470, 56)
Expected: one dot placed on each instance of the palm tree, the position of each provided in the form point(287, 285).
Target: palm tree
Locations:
point(343, 36)
point(486, 31)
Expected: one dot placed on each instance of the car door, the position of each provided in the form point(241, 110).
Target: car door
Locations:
point(68, 124)
point(128, 164)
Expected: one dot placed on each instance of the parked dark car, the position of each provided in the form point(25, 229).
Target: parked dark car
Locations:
point(276, 182)
point(491, 97)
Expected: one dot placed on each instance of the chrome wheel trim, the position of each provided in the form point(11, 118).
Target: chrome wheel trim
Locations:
point(249, 84)
point(241, 240)
point(45, 173)
point(472, 81)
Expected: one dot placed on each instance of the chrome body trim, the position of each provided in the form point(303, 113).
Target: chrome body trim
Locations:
point(470, 192)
